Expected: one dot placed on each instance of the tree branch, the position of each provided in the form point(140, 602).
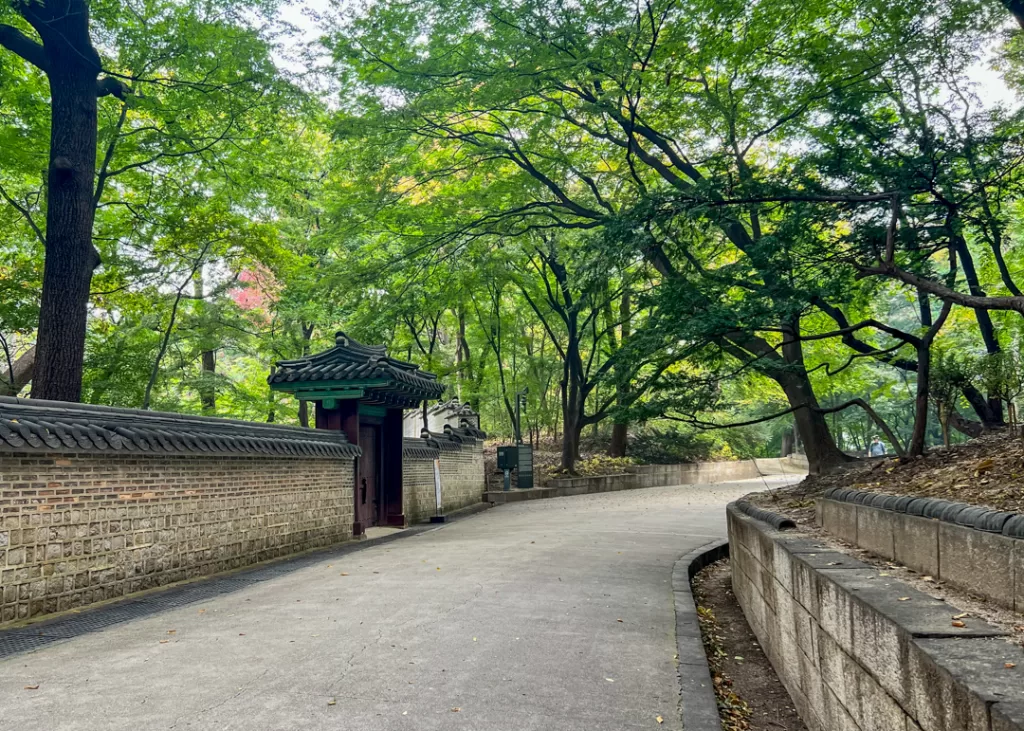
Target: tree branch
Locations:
point(17, 42)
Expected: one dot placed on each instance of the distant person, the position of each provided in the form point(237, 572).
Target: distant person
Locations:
point(876, 448)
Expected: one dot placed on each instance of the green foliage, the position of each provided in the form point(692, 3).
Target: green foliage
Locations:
point(670, 215)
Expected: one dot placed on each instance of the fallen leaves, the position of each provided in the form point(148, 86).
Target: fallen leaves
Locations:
point(957, 623)
point(32, 687)
point(1009, 665)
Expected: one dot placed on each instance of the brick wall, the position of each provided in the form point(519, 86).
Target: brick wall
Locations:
point(77, 528)
point(462, 477)
point(462, 482)
point(418, 489)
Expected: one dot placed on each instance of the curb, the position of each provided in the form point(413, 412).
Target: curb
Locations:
point(698, 707)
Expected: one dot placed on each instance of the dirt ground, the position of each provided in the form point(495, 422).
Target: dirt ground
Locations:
point(986, 471)
point(750, 695)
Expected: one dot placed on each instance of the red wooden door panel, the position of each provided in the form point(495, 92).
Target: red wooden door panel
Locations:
point(367, 498)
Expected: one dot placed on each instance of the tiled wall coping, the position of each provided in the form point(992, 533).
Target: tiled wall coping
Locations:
point(975, 549)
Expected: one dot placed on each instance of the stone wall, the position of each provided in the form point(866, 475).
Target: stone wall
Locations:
point(860, 651)
point(462, 478)
point(77, 528)
point(418, 489)
point(690, 473)
point(935, 538)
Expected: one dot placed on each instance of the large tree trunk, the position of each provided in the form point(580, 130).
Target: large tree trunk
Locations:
point(72, 68)
point(819, 446)
point(572, 427)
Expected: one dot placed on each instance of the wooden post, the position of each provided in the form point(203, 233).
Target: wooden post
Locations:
point(391, 445)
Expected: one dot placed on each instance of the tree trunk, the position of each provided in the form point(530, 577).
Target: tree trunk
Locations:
point(620, 427)
point(208, 356)
point(819, 446)
point(917, 436)
point(70, 255)
point(787, 443)
point(985, 324)
point(572, 426)
point(208, 394)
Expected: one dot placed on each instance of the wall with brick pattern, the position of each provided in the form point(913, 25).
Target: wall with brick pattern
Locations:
point(78, 528)
point(418, 489)
point(462, 482)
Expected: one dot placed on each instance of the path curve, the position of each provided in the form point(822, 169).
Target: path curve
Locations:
point(549, 615)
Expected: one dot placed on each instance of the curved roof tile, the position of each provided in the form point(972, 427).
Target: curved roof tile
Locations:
point(350, 360)
point(58, 425)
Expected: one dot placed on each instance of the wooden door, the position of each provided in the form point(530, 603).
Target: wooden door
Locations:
point(367, 488)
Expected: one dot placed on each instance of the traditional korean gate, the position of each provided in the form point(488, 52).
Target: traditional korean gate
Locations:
point(368, 487)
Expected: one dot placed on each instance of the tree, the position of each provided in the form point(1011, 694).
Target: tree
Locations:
point(179, 81)
point(66, 55)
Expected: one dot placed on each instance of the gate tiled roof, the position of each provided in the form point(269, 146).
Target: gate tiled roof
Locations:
point(351, 365)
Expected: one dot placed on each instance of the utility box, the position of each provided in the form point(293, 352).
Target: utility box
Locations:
point(508, 457)
point(525, 467)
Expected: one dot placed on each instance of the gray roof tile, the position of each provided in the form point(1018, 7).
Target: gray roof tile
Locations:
point(57, 425)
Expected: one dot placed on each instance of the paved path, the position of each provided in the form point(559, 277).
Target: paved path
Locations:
point(550, 615)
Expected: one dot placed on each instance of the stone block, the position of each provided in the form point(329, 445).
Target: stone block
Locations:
point(953, 682)
point(810, 682)
point(992, 566)
point(835, 614)
point(1008, 716)
point(880, 647)
point(981, 563)
point(875, 528)
point(805, 588)
point(877, 709)
point(782, 562)
point(954, 553)
point(1018, 576)
point(840, 519)
point(836, 717)
point(916, 543)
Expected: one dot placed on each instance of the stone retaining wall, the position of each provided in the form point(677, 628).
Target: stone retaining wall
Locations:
point(77, 528)
point(947, 546)
point(689, 473)
point(860, 651)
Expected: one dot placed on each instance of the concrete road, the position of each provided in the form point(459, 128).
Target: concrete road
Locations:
point(550, 615)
